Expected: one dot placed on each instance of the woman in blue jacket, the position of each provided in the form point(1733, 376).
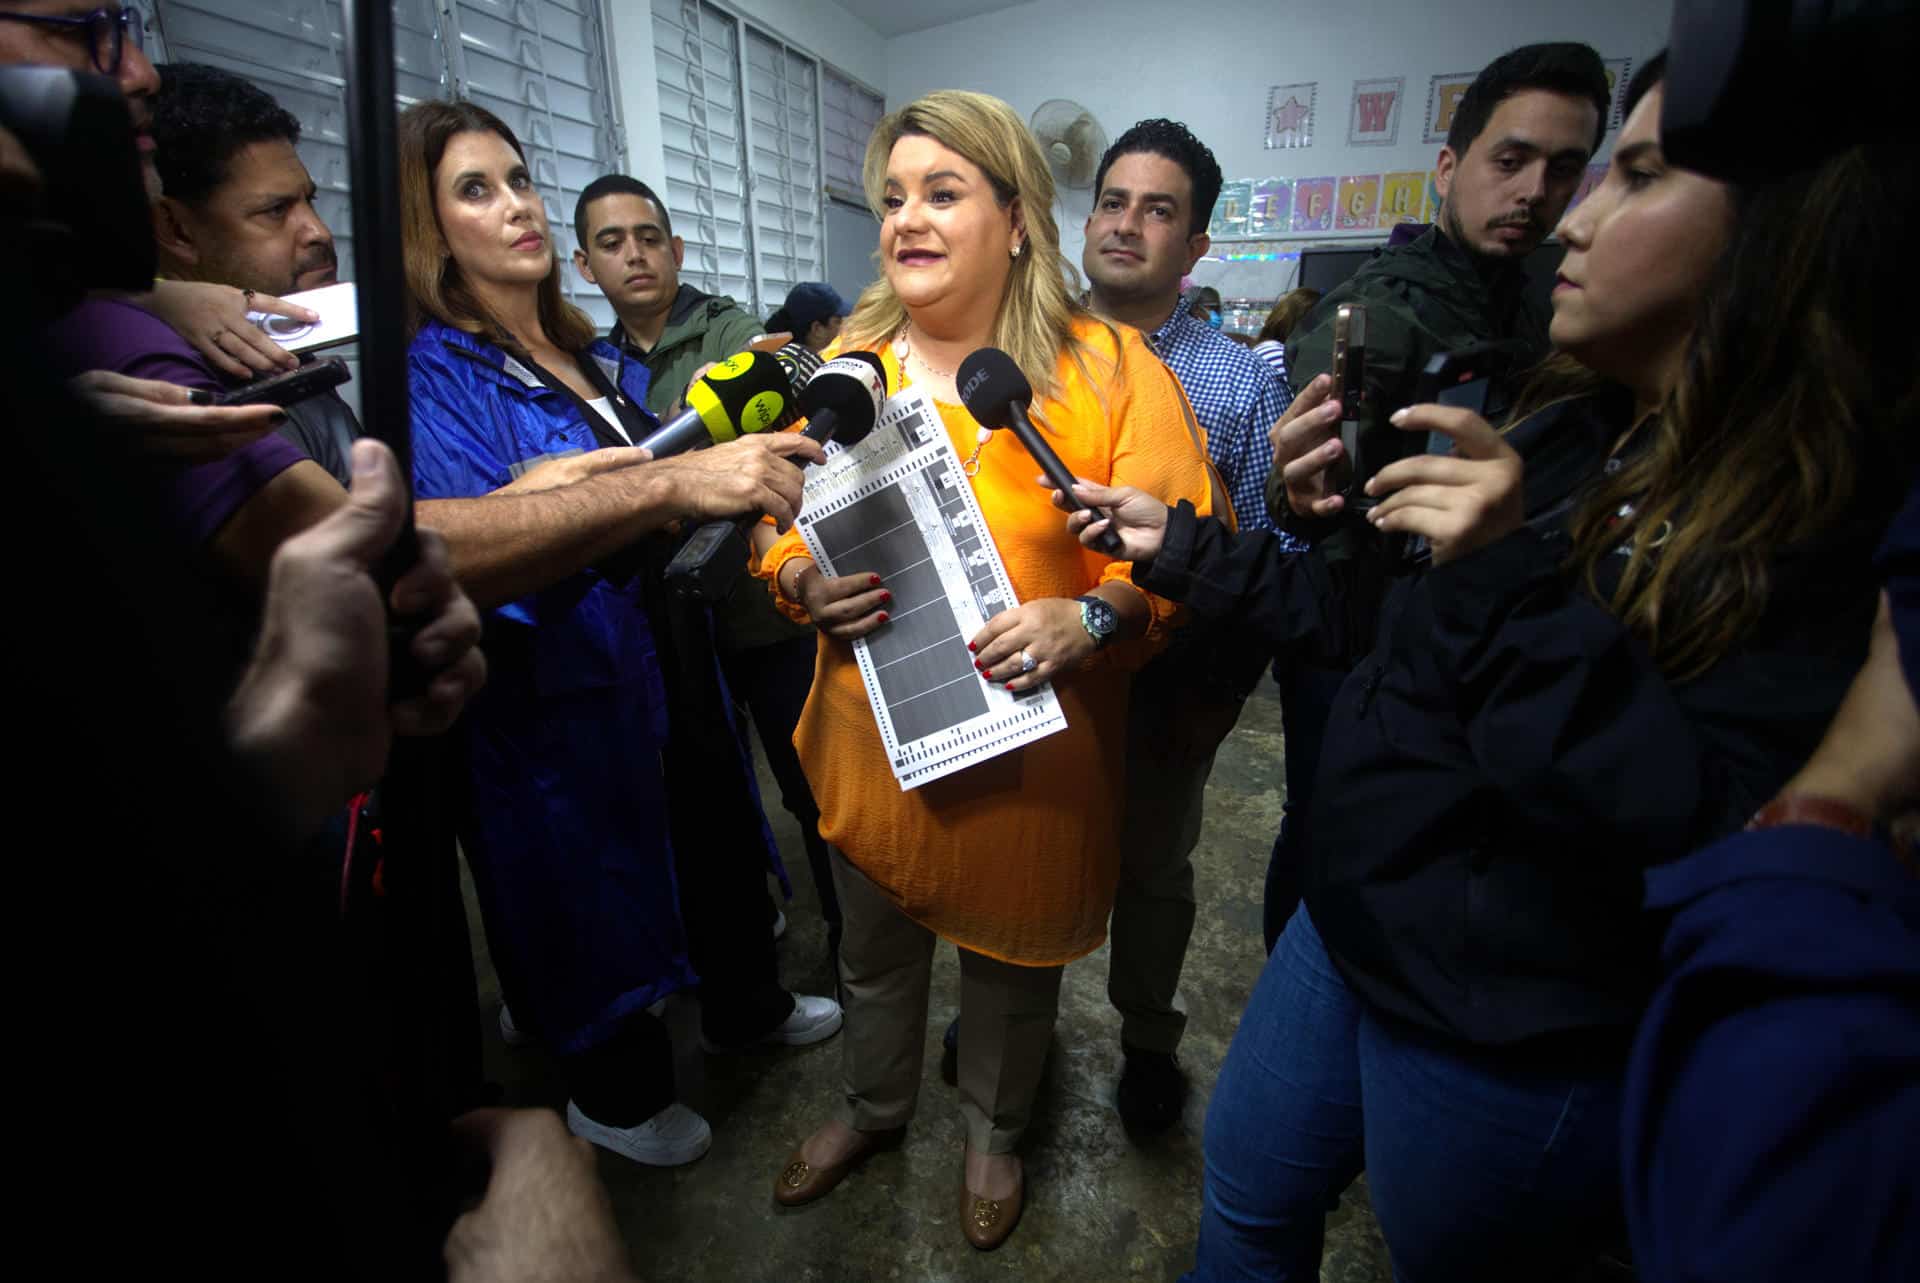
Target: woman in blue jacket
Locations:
point(1628, 622)
point(611, 822)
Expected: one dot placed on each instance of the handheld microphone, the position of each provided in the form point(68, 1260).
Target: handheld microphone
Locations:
point(747, 392)
point(843, 398)
point(841, 401)
point(801, 363)
point(997, 395)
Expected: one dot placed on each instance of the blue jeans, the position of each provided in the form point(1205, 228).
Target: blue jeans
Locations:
point(1307, 692)
point(1479, 1170)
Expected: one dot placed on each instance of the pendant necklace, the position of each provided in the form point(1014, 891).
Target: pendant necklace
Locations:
point(903, 352)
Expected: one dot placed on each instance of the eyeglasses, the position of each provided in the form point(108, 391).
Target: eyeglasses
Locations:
point(107, 32)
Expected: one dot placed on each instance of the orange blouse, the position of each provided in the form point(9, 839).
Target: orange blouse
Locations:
point(1017, 857)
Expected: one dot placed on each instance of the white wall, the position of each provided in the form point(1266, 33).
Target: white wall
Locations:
point(818, 27)
point(1210, 64)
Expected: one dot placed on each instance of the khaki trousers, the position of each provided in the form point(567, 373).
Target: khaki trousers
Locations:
point(1006, 1021)
point(1174, 727)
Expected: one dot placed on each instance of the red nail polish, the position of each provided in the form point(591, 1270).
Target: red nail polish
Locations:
point(873, 581)
point(883, 616)
point(886, 599)
point(977, 664)
point(971, 646)
point(1009, 685)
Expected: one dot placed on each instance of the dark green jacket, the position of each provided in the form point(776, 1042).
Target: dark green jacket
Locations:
point(1422, 298)
point(700, 328)
point(703, 328)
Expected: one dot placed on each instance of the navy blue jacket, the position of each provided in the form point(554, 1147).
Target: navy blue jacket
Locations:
point(1772, 1110)
point(1508, 760)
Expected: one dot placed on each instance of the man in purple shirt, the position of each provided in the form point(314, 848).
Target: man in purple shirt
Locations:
point(114, 334)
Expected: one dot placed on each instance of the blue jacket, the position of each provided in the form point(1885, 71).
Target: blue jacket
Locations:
point(566, 826)
point(1773, 1100)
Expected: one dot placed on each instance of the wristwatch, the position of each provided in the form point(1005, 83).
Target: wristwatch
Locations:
point(1100, 620)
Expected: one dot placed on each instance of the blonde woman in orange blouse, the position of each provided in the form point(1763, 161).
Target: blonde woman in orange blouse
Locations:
point(1014, 860)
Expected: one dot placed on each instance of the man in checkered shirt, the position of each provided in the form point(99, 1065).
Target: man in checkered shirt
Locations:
point(1154, 192)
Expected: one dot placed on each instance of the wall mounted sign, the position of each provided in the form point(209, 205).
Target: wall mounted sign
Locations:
point(1374, 118)
point(1619, 72)
point(1290, 115)
point(1359, 202)
point(1401, 197)
point(1443, 99)
point(1313, 205)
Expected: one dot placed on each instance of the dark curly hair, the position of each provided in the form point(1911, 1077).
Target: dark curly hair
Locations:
point(1561, 67)
point(202, 117)
point(1176, 142)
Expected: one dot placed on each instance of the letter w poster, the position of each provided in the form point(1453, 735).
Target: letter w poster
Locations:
point(1374, 120)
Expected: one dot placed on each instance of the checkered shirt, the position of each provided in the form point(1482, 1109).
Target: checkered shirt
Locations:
point(1236, 398)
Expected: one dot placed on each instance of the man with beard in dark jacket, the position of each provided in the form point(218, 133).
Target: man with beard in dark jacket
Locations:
point(1515, 153)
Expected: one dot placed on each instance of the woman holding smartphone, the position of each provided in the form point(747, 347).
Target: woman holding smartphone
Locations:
point(1636, 612)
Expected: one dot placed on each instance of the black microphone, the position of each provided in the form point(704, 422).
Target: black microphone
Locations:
point(841, 400)
point(997, 395)
point(747, 392)
point(801, 363)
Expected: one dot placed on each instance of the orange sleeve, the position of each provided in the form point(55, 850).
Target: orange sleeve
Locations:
point(1159, 447)
point(790, 545)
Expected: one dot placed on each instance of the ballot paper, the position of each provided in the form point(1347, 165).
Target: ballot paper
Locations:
point(899, 505)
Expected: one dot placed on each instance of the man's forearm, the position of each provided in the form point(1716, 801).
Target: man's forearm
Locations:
point(508, 545)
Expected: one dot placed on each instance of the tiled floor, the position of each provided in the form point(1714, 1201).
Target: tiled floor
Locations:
point(1102, 1206)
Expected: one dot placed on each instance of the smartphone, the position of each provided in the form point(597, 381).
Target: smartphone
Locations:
point(291, 387)
point(1350, 389)
point(339, 309)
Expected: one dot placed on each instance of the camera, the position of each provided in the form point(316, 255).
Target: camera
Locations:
point(86, 224)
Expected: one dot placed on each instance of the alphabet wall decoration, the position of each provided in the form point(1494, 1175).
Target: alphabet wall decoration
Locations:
point(1443, 99)
point(1374, 118)
point(1290, 115)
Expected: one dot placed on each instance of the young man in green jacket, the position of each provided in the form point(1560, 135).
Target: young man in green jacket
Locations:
point(628, 249)
point(1516, 150)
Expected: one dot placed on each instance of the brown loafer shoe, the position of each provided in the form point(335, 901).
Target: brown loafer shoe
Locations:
point(801, 1182)
point(987, 1221)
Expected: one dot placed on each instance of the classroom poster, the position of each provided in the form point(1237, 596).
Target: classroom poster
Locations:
point(1374, 118)
point(1313, 205)
point(1401, 197)
point(1231, 210)
point(1430, 207)
point(1443, 99)
point(1290, 115)
point(1358, 203)
point(1619, 72)
point(1272, 209)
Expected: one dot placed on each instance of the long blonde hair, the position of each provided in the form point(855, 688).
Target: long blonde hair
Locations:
point(435, 286)
point(1040, 307)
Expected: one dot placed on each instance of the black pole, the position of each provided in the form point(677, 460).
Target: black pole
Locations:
point(418, 1032)
point(380, 277)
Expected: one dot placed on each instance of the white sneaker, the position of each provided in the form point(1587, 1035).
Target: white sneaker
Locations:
point(780, 924)
point(812, 1020)
point(673, 1137)
point(510, 1033)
